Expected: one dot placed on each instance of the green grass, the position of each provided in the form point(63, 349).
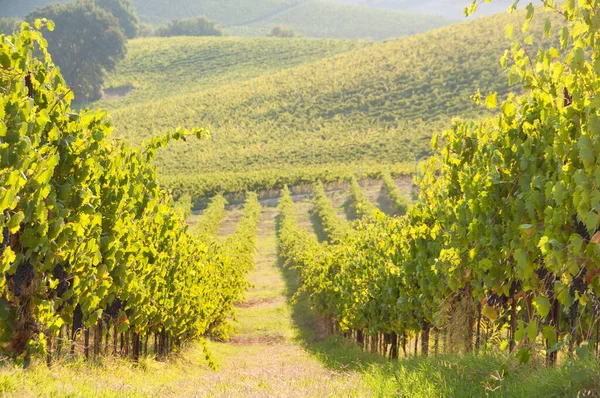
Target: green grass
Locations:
point(157, 68)
point(331, 367)
point(479, 376)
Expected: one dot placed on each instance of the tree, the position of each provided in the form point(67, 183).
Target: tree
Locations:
point(198, 26)
point(146, 30)
point(9, 25)
point(124, 12)
point(86, 43)
point(280, 31)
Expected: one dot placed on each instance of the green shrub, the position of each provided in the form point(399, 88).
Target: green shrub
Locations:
point(9, 25)
point(280, 31)
point(199, 26)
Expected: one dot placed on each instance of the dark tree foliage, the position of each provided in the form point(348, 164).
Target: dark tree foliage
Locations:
point(198, 26)
point(124, 12)
point(9, 25)
point(87, 42)
point(280, 31)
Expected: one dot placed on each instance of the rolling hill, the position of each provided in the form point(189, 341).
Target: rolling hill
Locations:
point(156, 68)
point(376, 104)
point(315, 18)
point(446, 8)
point(226, 12)
point(20, 8)
point(326, 19)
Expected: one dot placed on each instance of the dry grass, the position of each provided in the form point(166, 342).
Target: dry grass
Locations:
point(258, 301)
point(303, 208)
point(372, 190)
point(229, 223)
point(338, 198)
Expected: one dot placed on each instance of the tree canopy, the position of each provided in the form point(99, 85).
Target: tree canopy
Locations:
point(124, 12)
point(86, 43)
point(9, 25)
point(198, 26)
point(280, 31)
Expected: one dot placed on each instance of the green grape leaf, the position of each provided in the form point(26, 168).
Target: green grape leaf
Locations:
point(542, 305)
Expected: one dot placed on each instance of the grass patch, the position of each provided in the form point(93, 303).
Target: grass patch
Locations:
point(478, 376)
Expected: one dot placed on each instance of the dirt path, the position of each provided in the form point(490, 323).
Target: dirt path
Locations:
point(266, 357)
point(229, 223)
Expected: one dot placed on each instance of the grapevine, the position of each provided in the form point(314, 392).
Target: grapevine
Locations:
point(506, 222)
point(333, 227)
point(89, 239)
point(399, 201)
point(212, 216)
point(359, 204)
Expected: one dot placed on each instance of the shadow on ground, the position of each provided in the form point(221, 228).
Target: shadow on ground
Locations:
point(315, 332)
point(317, 226)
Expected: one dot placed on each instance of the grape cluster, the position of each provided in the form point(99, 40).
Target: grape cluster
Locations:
point(495, 300)
point(63, 279)
point(22, 278)
point(582, 230)
point(112, 311)
point(5, 240)
point(578, 285)
point(574, 313)
point(541, 273)
point(77, 320)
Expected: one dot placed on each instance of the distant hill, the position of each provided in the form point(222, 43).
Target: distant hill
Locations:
point(327, 19)
point(225, 12)
point(452, 9)
point(315, 18)
point(20, 8)
point(374, 104)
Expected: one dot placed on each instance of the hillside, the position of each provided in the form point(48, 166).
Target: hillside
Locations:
point(446, 8)
point(159, 67)
point(326, 19)
point(226, 13)
point(316, 18)
point(231, 12)
point(20, 8)
point(376, 104)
